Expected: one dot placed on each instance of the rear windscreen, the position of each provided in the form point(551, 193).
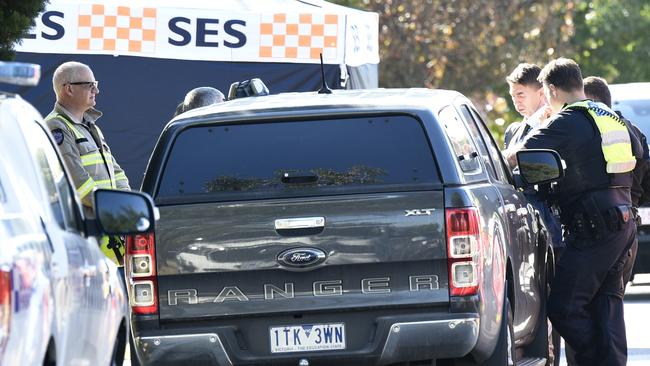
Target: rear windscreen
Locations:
point(303, 158)
point(637, 111)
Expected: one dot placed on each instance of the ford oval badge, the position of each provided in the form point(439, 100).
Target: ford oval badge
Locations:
point(301, 258)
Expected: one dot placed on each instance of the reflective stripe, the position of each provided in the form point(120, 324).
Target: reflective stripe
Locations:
point(77, 134)
point(86, 188)
point(615, 137)
point(120, 176)
point(105, 183)
point(92, 159)
point(620, 167)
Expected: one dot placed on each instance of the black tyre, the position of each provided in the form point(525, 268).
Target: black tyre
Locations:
point(134, 356)
point(119, 347)
point(504, 352)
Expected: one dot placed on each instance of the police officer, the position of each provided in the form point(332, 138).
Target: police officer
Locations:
point(85, 151)
point(594, 199)
point(597, 90)
point(199, 97)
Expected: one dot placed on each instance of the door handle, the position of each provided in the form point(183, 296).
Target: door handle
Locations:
point(300, 226)
point(300, 223)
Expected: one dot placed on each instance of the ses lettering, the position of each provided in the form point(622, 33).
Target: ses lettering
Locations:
point(207, 31)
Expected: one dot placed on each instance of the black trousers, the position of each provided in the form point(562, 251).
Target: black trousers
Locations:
point(586, 300)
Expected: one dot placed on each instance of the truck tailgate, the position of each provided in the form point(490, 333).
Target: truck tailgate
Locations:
point(381, 249)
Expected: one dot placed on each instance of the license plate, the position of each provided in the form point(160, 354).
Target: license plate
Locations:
point(644, 213)
point(307, 337)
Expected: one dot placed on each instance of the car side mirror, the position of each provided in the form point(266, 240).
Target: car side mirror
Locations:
point(538, 166)
point(124, 212)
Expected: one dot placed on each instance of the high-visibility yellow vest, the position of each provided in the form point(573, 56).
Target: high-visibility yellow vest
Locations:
point(616, 145)
point(113, 248)
point(94, 163)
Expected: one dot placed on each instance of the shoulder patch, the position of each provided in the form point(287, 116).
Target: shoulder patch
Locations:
point(57, 133)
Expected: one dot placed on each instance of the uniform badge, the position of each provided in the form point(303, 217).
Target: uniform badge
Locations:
point(58, 136)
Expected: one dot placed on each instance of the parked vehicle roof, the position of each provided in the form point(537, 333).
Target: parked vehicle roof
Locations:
point(384, 99)
point(630, 91)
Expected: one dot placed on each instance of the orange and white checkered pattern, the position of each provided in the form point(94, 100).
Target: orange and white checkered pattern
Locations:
point(116, 28)
point(299, 36)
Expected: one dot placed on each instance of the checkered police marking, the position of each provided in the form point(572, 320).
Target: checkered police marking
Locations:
point(116, 28)
point(299, 36)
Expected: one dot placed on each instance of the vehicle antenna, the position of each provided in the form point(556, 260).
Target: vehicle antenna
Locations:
point(325, 89)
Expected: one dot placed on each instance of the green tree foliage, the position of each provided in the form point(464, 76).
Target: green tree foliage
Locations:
point(468, 45)
point(472, 45)
point(16, 17)
point(612, 39)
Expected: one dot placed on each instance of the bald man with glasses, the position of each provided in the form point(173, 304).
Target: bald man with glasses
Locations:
point(85, 151)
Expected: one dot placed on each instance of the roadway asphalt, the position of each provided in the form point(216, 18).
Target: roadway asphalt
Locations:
point(637, 322)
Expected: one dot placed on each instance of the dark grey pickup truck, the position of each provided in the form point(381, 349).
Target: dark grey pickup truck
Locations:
point(359, 227)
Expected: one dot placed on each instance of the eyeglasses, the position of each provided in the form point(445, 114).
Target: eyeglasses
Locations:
point(88, 84)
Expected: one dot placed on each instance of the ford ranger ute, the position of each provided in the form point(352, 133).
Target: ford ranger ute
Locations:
point(354, 228)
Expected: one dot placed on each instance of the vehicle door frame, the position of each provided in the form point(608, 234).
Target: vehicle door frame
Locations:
point(521, 221)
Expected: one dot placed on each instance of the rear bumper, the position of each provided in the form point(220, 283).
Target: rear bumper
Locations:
point(429, 339)
point(397, 341)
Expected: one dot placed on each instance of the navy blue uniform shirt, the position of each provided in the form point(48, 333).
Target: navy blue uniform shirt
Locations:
point(575, 136)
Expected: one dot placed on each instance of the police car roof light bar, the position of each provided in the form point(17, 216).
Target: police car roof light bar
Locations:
point(19, 73)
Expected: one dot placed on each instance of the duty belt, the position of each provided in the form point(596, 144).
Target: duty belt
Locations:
point(593, 223)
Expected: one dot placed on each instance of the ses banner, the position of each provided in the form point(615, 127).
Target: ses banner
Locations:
point(203, 34)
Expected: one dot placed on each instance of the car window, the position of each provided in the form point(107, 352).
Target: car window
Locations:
point(288, 159)
point(503, 173)
point(480, 143)
point(461, 143)
point(60, 196)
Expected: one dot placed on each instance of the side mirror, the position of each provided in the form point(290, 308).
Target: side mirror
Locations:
point(124, 212)
point(539, 166)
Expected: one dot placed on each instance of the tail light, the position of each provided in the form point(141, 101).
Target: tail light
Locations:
point(5, 308)
point(464, 251)
point(141, 273)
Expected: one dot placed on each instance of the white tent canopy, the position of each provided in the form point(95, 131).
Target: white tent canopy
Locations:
point(287, 31)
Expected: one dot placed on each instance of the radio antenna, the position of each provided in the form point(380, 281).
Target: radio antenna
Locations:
point(325, 89)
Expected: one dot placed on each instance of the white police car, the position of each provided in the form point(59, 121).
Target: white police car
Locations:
point(61, 301)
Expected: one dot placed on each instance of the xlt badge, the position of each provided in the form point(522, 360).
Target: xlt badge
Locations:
point(419, 212)
point(301, 258)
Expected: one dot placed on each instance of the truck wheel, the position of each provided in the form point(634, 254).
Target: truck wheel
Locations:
point(119, 347)
point(134, 356)
point(504, 352)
